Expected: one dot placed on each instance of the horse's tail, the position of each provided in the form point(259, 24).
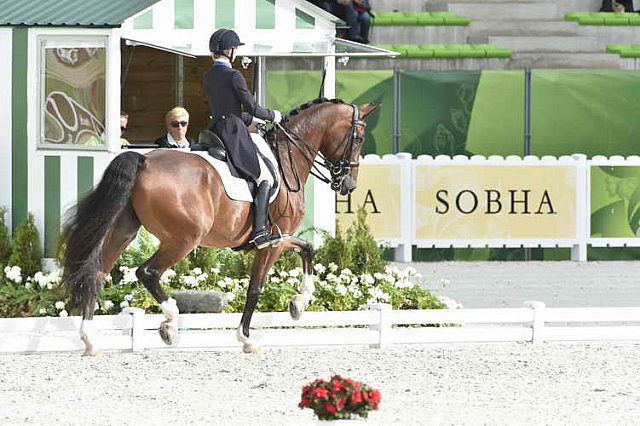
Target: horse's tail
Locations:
point(87, 225)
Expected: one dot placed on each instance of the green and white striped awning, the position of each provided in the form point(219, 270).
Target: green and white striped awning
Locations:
point(269, 28)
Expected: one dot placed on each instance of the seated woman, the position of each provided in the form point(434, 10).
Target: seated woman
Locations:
point(177, 121)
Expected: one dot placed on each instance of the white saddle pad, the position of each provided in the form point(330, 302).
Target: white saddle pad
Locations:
point(237, 188)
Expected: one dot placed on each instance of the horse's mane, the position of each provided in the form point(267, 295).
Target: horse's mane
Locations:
point(308, 105)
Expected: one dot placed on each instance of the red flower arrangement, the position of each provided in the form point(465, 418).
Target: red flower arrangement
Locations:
point(339, 398)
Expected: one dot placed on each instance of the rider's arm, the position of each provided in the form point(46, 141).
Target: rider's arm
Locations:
point(249, 103)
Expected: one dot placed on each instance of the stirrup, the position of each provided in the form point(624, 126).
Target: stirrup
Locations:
point(265, 239)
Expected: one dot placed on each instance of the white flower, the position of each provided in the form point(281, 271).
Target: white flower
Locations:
point(59, 305)
point(189, 281)
point(341, 289)
point(42, 311)
point(129, 275)
point(202, 277)
point(275, 279)
point(124, 304)
point(63, 313)
point(403, 284)
point(128, 297)
point(284, 274)
point(333, 267)
point(346, 271)
point(367, 279)
point(107, 305)
point(215, 270)
point(13, 273)
point(196, 271)
point(230, 296)
point(378, 295)
point(295, 272)
point(96, 307)
point(27, 285)
point(450, 303)
point(167, 275)
point(319, 268)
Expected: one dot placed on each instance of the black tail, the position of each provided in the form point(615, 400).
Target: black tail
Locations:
point(87, 225)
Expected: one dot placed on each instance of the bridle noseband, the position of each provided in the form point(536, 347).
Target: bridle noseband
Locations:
point(339, 170)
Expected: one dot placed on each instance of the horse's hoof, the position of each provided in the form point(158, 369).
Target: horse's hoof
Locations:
point(92, 352)
point(297, 306)
point(168, 333)
point(249, 348)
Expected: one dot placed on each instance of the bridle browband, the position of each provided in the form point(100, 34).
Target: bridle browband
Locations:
point(339, 170)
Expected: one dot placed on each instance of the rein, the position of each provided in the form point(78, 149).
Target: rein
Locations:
point(337, 171)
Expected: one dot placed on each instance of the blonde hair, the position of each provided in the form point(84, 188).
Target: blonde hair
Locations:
point(174, 113)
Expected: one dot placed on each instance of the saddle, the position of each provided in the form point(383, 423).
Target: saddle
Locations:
point(214, 146)
point(210, 142)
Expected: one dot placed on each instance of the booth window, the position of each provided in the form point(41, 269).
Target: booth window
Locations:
point(72, 91)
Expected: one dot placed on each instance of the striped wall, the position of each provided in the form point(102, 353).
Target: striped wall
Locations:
point(6, 41)
point(42, 182)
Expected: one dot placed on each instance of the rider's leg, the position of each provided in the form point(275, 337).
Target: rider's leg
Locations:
point(261, 236)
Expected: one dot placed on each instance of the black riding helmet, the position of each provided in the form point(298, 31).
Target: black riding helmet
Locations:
point(224, 39)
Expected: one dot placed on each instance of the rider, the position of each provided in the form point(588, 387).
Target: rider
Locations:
point(232, 109)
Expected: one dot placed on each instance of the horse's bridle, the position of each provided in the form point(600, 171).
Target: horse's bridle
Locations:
point(339, 170)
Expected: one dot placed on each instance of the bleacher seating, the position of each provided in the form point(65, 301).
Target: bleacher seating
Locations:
point(625, 50)
point(447, 50)
point(603, 18)
point(419, 18)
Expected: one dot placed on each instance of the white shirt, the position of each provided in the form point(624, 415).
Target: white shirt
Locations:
point(173, 142)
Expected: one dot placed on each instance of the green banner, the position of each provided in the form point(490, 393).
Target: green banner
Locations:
point(436, 109)
point(615, 201)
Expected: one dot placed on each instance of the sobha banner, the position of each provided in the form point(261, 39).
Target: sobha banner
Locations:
point(494, 202)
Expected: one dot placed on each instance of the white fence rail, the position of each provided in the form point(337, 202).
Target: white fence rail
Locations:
point(379, 327)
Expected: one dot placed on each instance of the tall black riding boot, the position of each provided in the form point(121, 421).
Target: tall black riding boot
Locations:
point(261, 238)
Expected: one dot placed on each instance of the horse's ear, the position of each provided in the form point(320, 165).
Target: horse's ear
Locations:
point(366, 109)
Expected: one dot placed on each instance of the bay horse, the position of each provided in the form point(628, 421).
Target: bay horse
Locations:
point(180, 199)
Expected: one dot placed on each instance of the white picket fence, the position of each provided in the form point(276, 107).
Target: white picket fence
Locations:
point(377, 328)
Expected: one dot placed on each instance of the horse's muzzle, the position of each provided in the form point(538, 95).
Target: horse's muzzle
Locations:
point(347, 185)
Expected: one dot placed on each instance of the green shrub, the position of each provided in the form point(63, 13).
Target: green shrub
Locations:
point(25, 248)
point(356, 249)
point(349, 274)
point(5, 242)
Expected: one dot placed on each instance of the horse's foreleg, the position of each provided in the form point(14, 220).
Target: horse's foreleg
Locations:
point(300, 302)
point(264, 259)
point(149, 274)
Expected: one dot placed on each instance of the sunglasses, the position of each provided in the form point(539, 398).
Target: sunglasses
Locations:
point(123, 129)
point(179, 123)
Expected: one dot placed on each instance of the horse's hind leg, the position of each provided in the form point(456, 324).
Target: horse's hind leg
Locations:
point(149, 274)
point(119, 237)
point(299, 303)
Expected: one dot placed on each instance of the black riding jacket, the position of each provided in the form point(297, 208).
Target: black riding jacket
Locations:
point(229, 97)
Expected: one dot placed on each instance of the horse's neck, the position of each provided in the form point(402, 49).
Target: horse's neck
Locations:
point(300, 164)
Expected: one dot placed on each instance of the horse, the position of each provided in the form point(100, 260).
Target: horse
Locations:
point(179, 198)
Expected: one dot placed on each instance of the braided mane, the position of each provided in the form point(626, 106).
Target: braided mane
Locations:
point(309, 104)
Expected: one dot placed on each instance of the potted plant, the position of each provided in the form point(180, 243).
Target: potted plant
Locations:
point(339, 398)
